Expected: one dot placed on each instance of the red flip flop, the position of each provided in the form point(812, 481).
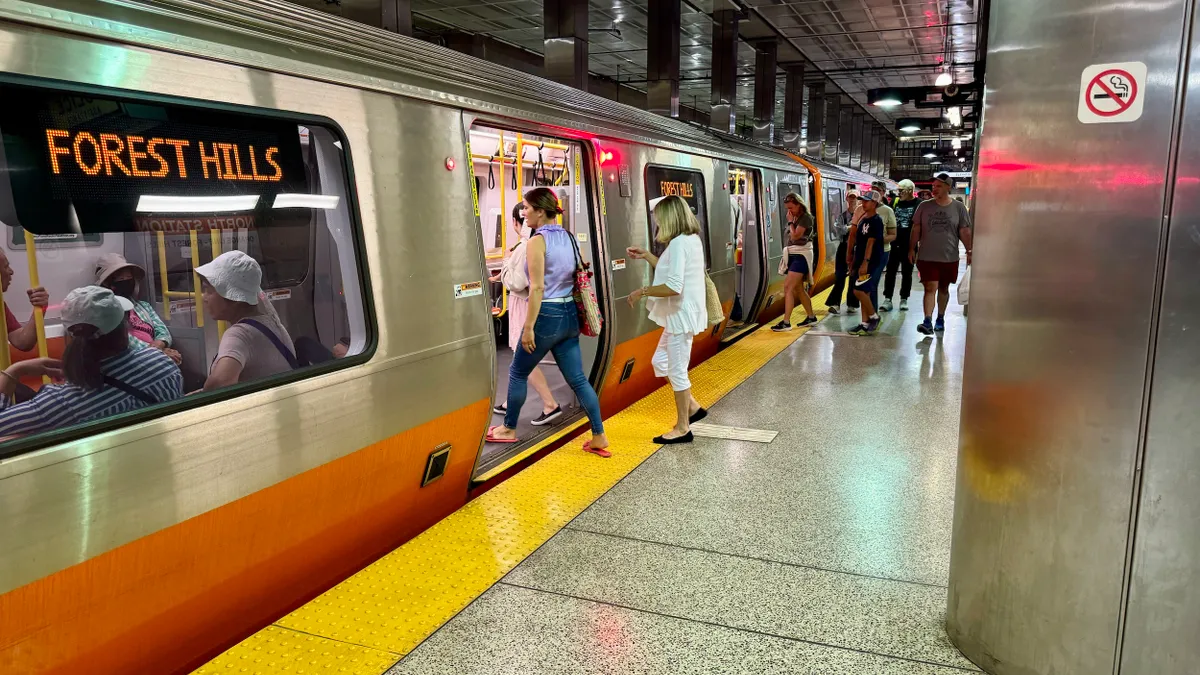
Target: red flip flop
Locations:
point(493, 439)
point(600, 452)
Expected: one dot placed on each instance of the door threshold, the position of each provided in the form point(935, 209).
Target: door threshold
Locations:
point(741, 330)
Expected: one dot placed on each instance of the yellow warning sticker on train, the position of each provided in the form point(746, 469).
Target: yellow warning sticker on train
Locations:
point(618, 264)
point(468, 289)
point(1112, 93)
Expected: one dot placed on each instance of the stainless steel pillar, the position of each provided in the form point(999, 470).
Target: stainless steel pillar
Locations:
point(724, 69)
point(856, 139)
point(566, 45)
point(1075, 543)
point(662, 57)
point(396, 16)
point(793, 107)
point(871, 165)
point(833, 127)
point(816, 120)
point(765, 75)
point(846, 134)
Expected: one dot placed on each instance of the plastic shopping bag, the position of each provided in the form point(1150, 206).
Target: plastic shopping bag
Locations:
point(964, 287)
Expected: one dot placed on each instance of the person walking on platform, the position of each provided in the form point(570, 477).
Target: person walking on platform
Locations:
point(841, 265)
point(904, 208)
point(801, 229)
point(552, 324)
point(866, 244)
point(938, 226)
point(676, 301)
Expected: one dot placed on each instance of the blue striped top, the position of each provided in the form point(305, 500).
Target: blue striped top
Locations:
point(57, 406)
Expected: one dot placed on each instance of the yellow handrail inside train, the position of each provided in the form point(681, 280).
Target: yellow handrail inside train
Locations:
point(503, 224)
point(162, 276)
point(195, 242)
point(5, 354)
point(215, 238)
point(39, 316)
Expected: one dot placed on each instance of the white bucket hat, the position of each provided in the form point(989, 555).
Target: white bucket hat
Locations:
point(95, 306)
point(111, 263)
point(234, 276)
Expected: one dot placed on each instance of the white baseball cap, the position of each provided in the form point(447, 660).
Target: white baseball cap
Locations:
point(95, 306)
point(907, 184)
point(871, 196)
point(234, 276)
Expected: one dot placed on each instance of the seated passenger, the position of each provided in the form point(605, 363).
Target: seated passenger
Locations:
point(21, 336)
point(124, 278)
point(256, 345)
point(104, 375)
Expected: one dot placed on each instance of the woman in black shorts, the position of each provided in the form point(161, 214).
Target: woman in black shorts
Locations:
point(799, 255)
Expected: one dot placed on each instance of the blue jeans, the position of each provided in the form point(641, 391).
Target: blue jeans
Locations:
point(556, 330)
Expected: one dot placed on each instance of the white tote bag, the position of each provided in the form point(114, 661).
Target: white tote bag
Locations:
point(964, 287)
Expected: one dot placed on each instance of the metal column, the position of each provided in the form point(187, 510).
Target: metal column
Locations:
point(833, 127)
point(765, 75)
point(724, 70)
point(396, 16)
point(864, 162)
point(816, 120)
point(566, 46)
point(846, 134)
point(858, 119)
point(793, 107)
point(662, 57)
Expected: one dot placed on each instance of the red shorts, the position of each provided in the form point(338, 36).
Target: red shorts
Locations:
point(945, 273)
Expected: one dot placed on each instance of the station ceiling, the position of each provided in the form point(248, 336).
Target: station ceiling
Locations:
point(856, 45)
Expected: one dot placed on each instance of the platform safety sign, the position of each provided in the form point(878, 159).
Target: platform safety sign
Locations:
point(1112, 92)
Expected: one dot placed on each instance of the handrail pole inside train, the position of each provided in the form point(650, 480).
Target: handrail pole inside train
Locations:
point(5, 354)
point(503, 223)
point(215, 236)
point(162, 274)
point(195, 242)
point(39, 315)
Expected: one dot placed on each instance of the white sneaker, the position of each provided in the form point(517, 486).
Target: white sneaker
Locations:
point(887, 305)
point(904, 305)
point(832, 309)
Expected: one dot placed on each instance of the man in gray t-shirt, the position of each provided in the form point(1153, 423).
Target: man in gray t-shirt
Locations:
point(938, 225)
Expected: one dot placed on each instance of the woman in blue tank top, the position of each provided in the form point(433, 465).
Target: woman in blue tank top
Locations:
point(552, 324)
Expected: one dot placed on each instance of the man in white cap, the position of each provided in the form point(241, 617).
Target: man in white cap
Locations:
point(256, 345)
point(104, 375)
point(938, 226)
point(905, 207)
point(23, 336)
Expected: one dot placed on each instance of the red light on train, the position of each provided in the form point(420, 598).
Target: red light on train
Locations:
point(605, 156)
point(450, 164)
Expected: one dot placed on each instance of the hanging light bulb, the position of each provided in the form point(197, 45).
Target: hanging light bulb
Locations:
point(944, 79)
point(956, 143)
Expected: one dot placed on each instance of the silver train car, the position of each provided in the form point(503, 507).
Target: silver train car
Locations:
point(373, 177)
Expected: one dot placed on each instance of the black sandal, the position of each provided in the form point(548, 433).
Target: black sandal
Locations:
point(686, 438)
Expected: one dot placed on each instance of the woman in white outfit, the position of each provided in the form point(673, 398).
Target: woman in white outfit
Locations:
point(512, 275)
point(676, 301)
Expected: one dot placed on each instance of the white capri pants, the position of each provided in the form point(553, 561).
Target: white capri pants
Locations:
point(671, 359)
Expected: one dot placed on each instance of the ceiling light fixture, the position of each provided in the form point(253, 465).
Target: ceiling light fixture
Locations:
point(910, 128)
point(955, 116)
point(173, 204)
point(944, 79)
point(929, 155)
point(885, 98)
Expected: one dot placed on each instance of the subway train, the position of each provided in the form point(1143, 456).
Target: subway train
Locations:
point(373, 177)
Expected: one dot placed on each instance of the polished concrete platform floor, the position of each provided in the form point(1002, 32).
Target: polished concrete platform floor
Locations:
point(824, 552)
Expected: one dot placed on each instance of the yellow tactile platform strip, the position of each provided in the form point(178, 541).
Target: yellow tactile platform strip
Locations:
point(368, 622)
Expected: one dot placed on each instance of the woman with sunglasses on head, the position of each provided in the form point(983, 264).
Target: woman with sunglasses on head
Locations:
point(513, 276)
point(552, 322)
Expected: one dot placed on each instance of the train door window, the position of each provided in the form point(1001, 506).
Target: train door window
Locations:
point(140, 196)
point(744, 195)
point(506, 165)
point(663, 181)
point(784, 190)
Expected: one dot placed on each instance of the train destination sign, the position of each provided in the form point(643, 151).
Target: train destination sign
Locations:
point(1112, 93)
point(106, 165)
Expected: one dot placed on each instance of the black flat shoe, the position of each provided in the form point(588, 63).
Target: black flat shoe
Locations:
point(697, 416)
point(686, 438)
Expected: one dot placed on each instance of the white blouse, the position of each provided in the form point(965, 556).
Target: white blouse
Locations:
point(681, 268)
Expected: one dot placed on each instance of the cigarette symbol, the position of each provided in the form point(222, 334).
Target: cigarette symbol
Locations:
point(1119, 86)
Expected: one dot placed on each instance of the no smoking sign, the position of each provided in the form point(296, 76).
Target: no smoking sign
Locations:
point(1112, 92)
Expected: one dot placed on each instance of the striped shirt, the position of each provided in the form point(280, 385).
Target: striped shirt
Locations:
point(57, 406)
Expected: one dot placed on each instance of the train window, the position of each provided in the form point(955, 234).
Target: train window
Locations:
point(226, 242)
point(834, 205)
point(663, 181)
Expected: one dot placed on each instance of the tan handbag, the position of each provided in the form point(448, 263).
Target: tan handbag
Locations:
point(712, 301)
